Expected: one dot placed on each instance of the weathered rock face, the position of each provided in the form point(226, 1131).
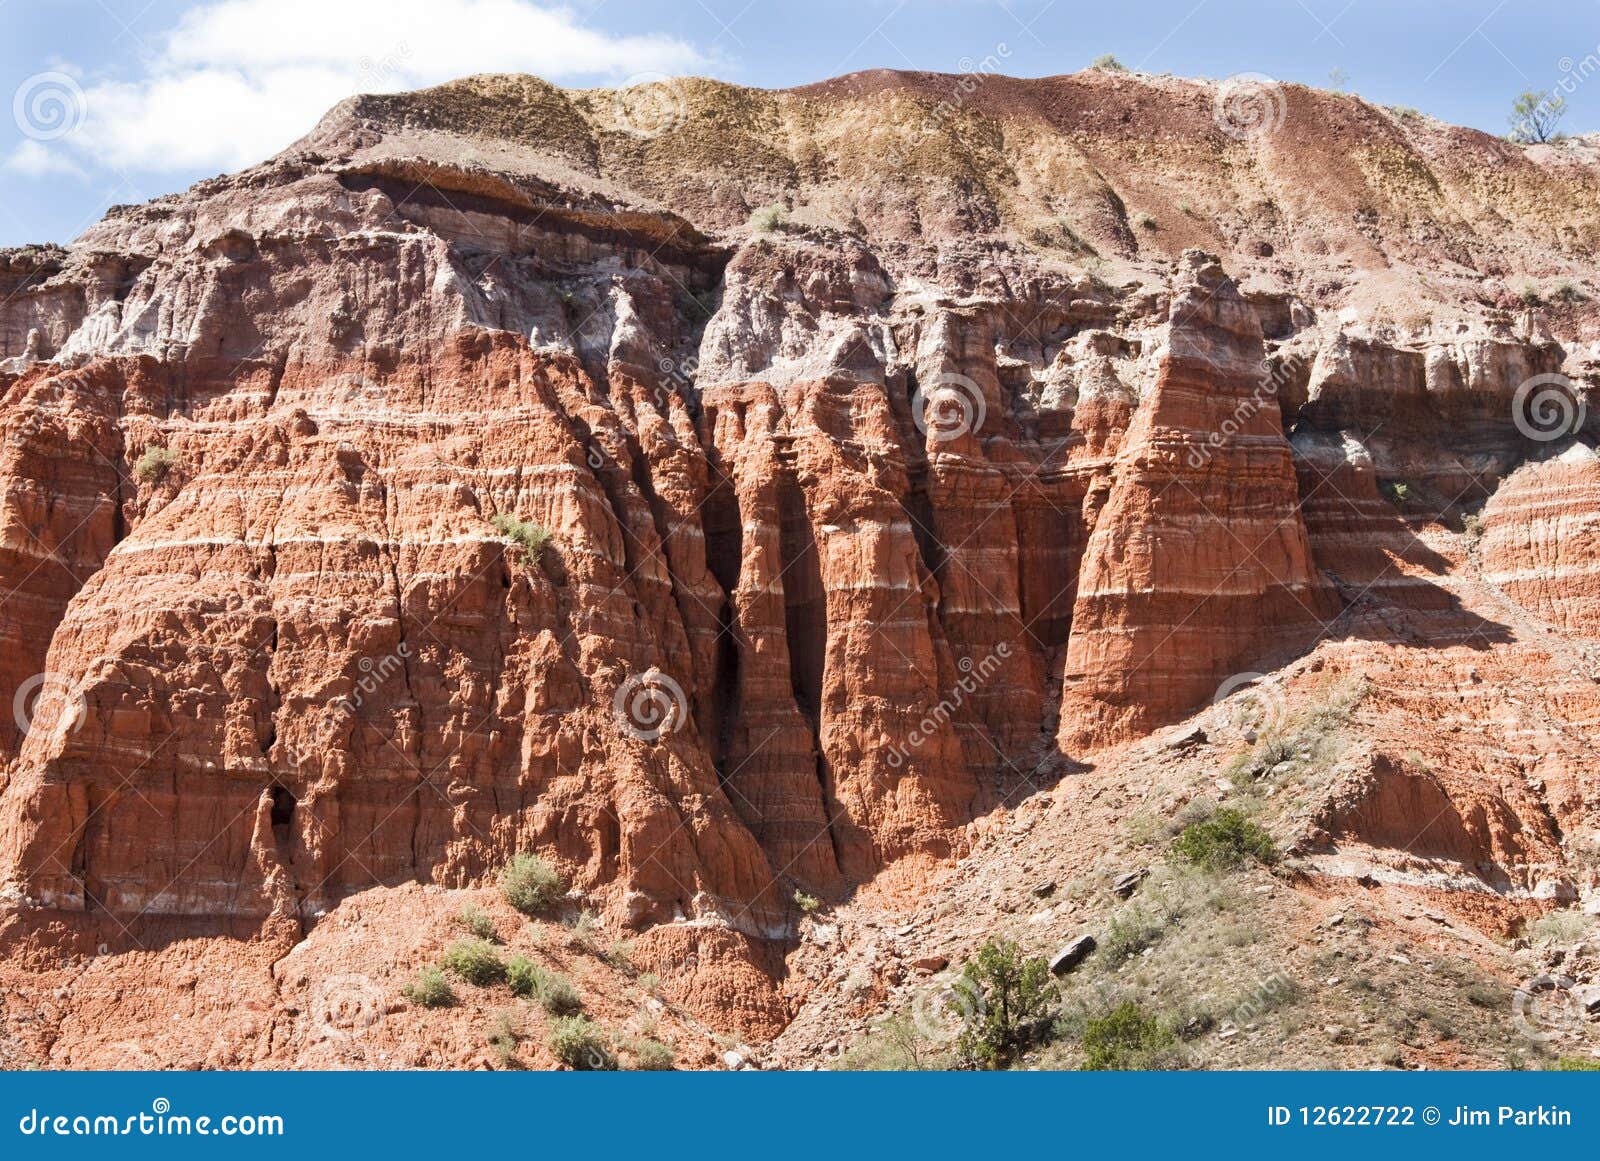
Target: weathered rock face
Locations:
point(857, 527)
point(1199, 564)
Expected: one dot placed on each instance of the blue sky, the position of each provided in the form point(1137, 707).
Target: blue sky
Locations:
point(123, 100)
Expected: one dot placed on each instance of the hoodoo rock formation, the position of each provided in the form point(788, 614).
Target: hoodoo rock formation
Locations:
point(892, 468)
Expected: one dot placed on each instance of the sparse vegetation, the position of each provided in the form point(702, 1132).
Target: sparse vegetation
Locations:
point(1560, 927)
point(808, 904)
point(154, 463)
point(1005, 1002)
point(530, 537)
point(1577, 1064)
point(580, 1043)
point(620, 956)
point(1472, 527)
point(1398, 492)
point(475, 961)
point(1131, 931)
point(531, 885)
point(647, 1054)
point(1144, 221)
point(551, 990)
point(430, 989)
point(1126, 1038)
point(1225, 840)
point(1534, 115)
point(503, 1039)
point(1108, 62)
point(584, 932)
point(476, 921)
point(895, 1044)
point(769, 219)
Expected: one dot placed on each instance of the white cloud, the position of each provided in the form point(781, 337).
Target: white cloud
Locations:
point(238, 80)
point(31, 159)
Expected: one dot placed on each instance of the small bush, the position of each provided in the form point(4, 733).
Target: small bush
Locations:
point(620, 956)
point(1225, 840)
point(504, 1040)
point(1144, 221)
point(475, 961)
point(768, 219)
point(808, 904)
point(430, 989)
point(1127, 1038)
point(894, 1045)
point(1560, 927)
point(1397, 493)
point(585, 932)
point(552, 990)
point(530, 884)
point(476, 920)
point(528, 536)
point(650, 1055)
point(1130, 933)
point(1578, 1064)
point(1005, 1001)
point(580, 1043)
point(154, 463)
point(1108, 62)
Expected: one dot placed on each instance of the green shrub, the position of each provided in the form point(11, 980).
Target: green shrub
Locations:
point(1145, 221)
point(1578, 1064)
point(1108, 62)
point(651, 1055)
point(430, 989)
point(769, 218)
point(527, 535)
point(552, 990)
point(580, 1043)
point(1128, 1037)
point(476, 961)
point(1224, 840)
point(530, 884)
point(808, 904)
point(476, 920)
point(154, 463)
point(1005, 1001)
point(620, 955)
